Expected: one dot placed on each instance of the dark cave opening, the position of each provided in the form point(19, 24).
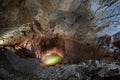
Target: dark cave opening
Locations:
point(72, 51)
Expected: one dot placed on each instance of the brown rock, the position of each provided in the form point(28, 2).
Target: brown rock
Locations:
point(117, 43)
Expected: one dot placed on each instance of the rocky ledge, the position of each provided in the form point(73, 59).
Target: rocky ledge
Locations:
point(15, 68)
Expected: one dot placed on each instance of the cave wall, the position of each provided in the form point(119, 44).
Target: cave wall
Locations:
point(73, 17)
point(87, 19)
point(78, 18)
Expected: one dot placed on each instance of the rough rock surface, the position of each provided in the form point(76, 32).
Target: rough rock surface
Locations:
point(74, 18)
point(89, 70)
point(89, 19)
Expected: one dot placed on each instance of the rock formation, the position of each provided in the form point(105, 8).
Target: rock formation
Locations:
point(90, 25)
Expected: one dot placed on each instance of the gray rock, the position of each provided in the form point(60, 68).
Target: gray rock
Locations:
point(88, 19)
point(75, 71)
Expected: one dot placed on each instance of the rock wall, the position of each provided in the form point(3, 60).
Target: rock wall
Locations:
point(73, 17)
point(87, 19)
